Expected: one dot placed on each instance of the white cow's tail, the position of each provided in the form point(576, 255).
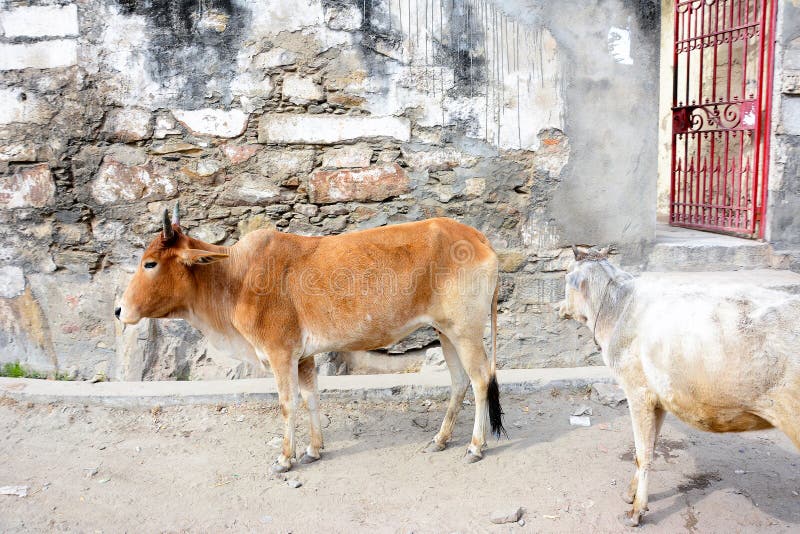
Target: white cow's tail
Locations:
point(493, 392)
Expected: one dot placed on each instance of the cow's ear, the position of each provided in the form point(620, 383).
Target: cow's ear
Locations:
point(194, 256)
point(579, 252)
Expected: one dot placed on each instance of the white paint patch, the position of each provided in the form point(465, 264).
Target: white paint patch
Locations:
point(40, 21)
point(619, 45)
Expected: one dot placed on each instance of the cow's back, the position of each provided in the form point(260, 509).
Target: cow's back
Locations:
point(367, 289)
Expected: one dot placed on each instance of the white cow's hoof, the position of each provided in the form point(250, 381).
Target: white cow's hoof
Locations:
point(631, 518)
point(434, 446)
point(471, 457)
point(308, 459)
point(279, 468)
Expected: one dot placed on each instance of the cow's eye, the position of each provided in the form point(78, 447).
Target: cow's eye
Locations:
point(150, 265)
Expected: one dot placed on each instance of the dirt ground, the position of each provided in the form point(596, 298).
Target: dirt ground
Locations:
point(205, 469)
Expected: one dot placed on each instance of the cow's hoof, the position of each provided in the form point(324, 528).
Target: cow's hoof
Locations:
point(627, 497)
point(433, 446)
point(471, 457)
point(630, 519)
point(279, 468)
point(308, 459)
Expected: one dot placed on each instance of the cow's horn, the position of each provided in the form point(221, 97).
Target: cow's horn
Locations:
point(176, 214)
point(168, 232)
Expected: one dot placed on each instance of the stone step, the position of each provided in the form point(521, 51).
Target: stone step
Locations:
point(779, 280)
point(680, 249)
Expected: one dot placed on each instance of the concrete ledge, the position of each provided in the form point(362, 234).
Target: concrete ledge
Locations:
point(367, 387)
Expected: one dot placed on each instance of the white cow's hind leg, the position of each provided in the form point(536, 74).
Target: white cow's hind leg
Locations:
point(646, 417)
point(458, 389)
point(307, 374)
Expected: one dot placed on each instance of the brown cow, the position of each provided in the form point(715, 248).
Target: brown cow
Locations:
point(279, 298)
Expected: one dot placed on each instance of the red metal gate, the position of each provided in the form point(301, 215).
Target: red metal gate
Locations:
point(722, 93)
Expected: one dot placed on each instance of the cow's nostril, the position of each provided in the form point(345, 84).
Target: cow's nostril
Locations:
point(117, 312)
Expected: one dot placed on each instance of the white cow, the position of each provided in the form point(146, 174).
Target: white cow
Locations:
point(721, 358)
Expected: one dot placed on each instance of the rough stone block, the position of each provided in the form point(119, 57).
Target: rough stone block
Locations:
point(40, 55)
point(28, 187)
point(40, 21)
point(116, 182)
point(12, 282)
point(349, 156)
point(239, 153)
point(279, 165)
point(128, 125)
point(18, 152)
point(329, 129)
point(373, 183)
point(301, 89)
point(17, 105)
point(215, 122)
point(345, 18)
point(438, 159)
point(249, 189)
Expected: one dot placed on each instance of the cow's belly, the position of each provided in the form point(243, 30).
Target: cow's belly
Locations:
point(368, 334)
point(713, 418)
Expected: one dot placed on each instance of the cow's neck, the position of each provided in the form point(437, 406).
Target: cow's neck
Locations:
point(608, 303)
point(217, 287)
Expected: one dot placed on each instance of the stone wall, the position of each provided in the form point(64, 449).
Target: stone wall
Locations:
point(783, 195)
point(531, 120)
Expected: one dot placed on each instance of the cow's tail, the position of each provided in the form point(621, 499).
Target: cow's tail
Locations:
point(493, 392)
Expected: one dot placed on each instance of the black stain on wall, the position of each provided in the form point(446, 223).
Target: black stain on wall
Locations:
point(194, 41)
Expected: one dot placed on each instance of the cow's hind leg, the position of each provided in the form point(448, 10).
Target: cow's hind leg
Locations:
point(473, 358)
point(645, 416)
point(458, 388)
point(630, 493)
point(307, 374)
point(284, 367)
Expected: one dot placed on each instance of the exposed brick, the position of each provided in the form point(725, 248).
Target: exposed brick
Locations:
point(116, 182)
point(329, 129)
point(40, 21)
point(373, 183)
point(216, 122)
point(41, 55)
point(28, 187)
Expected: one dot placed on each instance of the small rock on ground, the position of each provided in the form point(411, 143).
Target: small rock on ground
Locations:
point(608, 394)
point(507, 516)
point(294, 483)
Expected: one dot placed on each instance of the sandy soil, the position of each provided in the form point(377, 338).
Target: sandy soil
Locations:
point(205, 469)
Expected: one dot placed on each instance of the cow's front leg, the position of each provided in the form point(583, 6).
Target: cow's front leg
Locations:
point(307, 373)
point(284, 367)
point(646, 417)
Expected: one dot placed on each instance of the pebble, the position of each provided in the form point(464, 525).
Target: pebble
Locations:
point(740, 471)
point(294, 483)
point(583, 409)
point(240, 419)
point(521, 522)
point(507, 516)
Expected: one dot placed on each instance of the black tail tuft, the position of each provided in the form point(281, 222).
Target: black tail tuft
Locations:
point(495, 411)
